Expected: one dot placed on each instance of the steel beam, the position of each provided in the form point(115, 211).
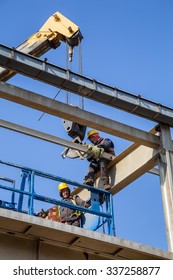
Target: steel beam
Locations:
point(83, 86)
point(47, 137)
point(166, 180)
point(65, 111)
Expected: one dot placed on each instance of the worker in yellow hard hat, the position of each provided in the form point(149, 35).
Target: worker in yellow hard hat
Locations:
point(69, 215)
point(92, 133)
point(63, 188)
point(99, 164)
point(65, 214)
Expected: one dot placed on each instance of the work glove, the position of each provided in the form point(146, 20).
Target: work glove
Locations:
point(94, 152)
point(42, 213)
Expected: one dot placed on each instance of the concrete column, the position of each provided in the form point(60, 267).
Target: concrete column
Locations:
point(166, 179)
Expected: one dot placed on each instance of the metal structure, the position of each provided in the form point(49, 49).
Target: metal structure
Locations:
point(149, 150)
point(83, 86)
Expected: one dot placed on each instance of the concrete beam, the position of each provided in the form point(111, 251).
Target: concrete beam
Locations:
point(128, 157)
point(17, 230)
point(59, 109)
point(125, 170)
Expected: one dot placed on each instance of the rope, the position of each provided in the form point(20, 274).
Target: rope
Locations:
point(81, 99)
point(68, 94)
point(52, 99)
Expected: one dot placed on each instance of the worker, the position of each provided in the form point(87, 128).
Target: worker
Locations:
point(99, 164)
point(68, 215)
point(65, 214)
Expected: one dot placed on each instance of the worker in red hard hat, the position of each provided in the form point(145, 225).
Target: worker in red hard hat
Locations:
point(99, 164)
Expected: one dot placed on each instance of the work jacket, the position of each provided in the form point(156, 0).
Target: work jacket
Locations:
point(106, 144)
point(66, 212)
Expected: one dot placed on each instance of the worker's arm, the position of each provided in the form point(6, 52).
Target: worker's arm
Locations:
point(107, 145)
point(81, 202)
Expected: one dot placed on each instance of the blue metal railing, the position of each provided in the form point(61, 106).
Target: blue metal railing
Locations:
point(28, 176)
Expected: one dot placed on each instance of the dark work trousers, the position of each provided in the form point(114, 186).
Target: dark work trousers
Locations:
point(95, 166)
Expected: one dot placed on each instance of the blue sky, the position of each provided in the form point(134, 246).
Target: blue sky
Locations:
point(127, 44)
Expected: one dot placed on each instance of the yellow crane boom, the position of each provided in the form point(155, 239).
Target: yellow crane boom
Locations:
point(56, 29)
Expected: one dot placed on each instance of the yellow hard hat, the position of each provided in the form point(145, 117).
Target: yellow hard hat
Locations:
point(91, 132)
point(62, 186)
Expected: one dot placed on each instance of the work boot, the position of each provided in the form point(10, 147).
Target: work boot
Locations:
point(89, 182)
point(107, 187)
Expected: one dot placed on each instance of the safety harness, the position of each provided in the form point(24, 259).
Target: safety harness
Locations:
point(75, 216)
